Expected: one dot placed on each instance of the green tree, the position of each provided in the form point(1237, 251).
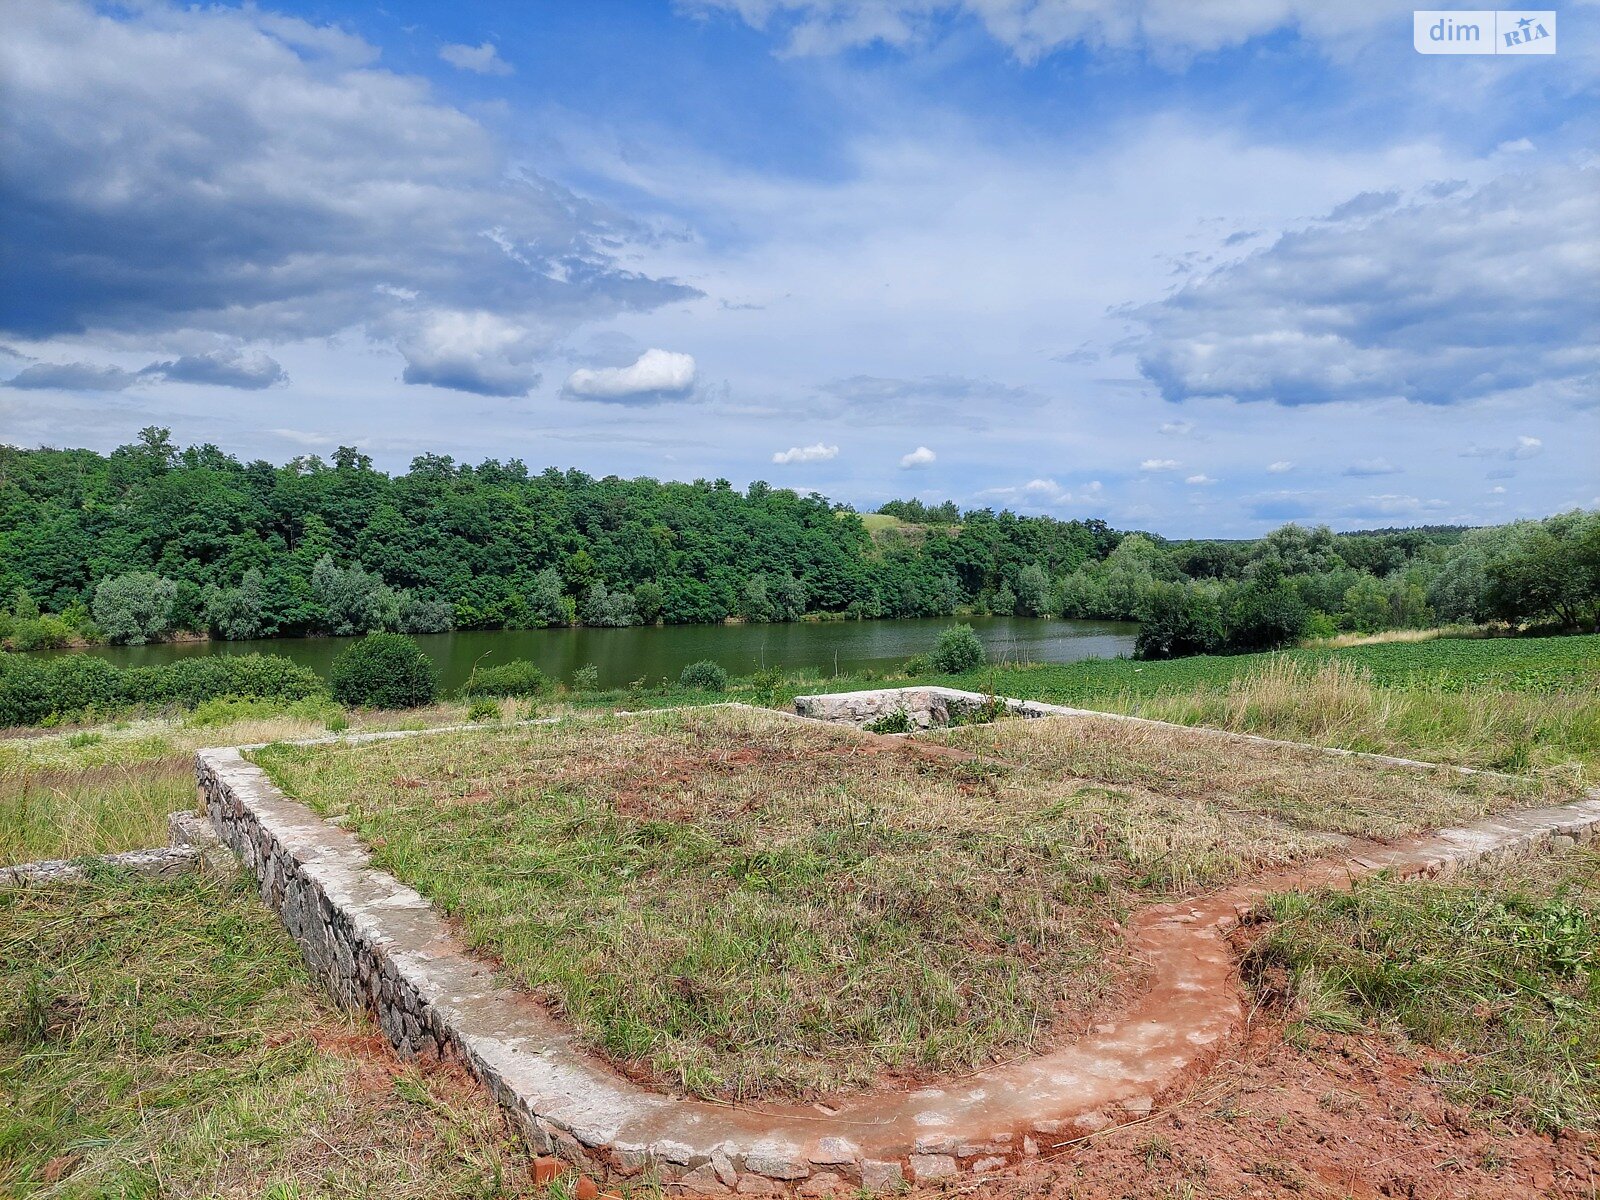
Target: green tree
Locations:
point(135, 607)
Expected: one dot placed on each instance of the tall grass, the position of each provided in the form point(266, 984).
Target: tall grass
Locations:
point(1336, 703)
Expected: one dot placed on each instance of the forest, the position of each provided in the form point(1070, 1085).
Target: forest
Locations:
point(152, 542)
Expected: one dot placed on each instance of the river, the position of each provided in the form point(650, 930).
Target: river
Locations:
point(624, 655)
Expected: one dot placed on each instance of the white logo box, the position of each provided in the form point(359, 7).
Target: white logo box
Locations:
point(1483, 31)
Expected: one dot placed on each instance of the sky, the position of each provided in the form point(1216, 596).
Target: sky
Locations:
point(1199, 268)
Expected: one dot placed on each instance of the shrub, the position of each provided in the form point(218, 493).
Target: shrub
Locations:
point(519, 677)
point(917, 664)
point(958, 650)
point(483, 709)
point(24, 691)
point(899, 721)
point(31, 691)
point(1181, 619)
point(1266, 615)
point(192, 681)
point(586, 678)
point(135, 607)
point(46, 632)
point(383, 670)
point(705, 676)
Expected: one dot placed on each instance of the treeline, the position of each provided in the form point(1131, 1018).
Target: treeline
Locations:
point(151, 541)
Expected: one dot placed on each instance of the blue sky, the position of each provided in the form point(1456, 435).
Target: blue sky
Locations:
point(1195, 268)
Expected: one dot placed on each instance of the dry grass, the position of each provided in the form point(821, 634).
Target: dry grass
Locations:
point(164, 1040)
point(1306, 789)
point(1342, 641)
point(1553, 733)
point(107, 788)
point(743, 905)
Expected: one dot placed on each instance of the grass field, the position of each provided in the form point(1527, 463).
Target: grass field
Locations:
point(1305, 789)
point(109, 788)
point(164, 1040)
point(749, 906)
point(1499, 969)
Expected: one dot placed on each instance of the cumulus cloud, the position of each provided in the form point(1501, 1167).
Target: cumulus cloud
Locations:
point(920, 457)
point(225, 368)
point(72, 377)
point(1280, 467)
point(806, 454)
point(287, 190)
point(483, 59)
point(942, 399)
point(1439, 301)
point(1199, 480)
point(1159, 464)
point(1177, 428)
point(1371, 466)
point(471, 352)
point(655, 375)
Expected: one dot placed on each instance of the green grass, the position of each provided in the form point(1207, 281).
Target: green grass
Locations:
point(747, 906)
point(163, 1039)
point(1305, 789)
point(1498, 971)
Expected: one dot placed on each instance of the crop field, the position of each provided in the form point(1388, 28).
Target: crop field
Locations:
point(742, 905)
point(1506, 704)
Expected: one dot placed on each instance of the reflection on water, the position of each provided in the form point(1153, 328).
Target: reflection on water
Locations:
point(624, 655)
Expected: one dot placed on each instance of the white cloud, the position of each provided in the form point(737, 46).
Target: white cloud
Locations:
point(472, 352)
point(1199, 480)
point(1280, 467)
point(920, 457)
point(1177, 428)
point(656, 375)
point(806, 454)
point(1173, 29)
point(179, 175)
point(1440, 301)
point(484, 59)
point(1159, 464)
point(1497, 490)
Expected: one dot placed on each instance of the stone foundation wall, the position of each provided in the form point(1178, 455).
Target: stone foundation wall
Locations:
point(379, 946)
point(925, 707)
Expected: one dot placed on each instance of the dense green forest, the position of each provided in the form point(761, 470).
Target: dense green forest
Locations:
point(151, 541)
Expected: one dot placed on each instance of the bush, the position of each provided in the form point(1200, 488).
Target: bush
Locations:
point(1266, 615)
point(917, 664)
point(31, 691)
point(958, 650)
point(704, 676)
point(519, 677)
point(46, 632)
point(136, 607)
point(192, 681)
point(483, 709)
point(1181, 620)
point(383, 670)
point(586, 678)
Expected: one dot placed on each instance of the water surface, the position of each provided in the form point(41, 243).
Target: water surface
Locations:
point(657, 652)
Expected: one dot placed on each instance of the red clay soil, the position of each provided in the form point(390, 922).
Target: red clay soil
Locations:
point(1348, 1116)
